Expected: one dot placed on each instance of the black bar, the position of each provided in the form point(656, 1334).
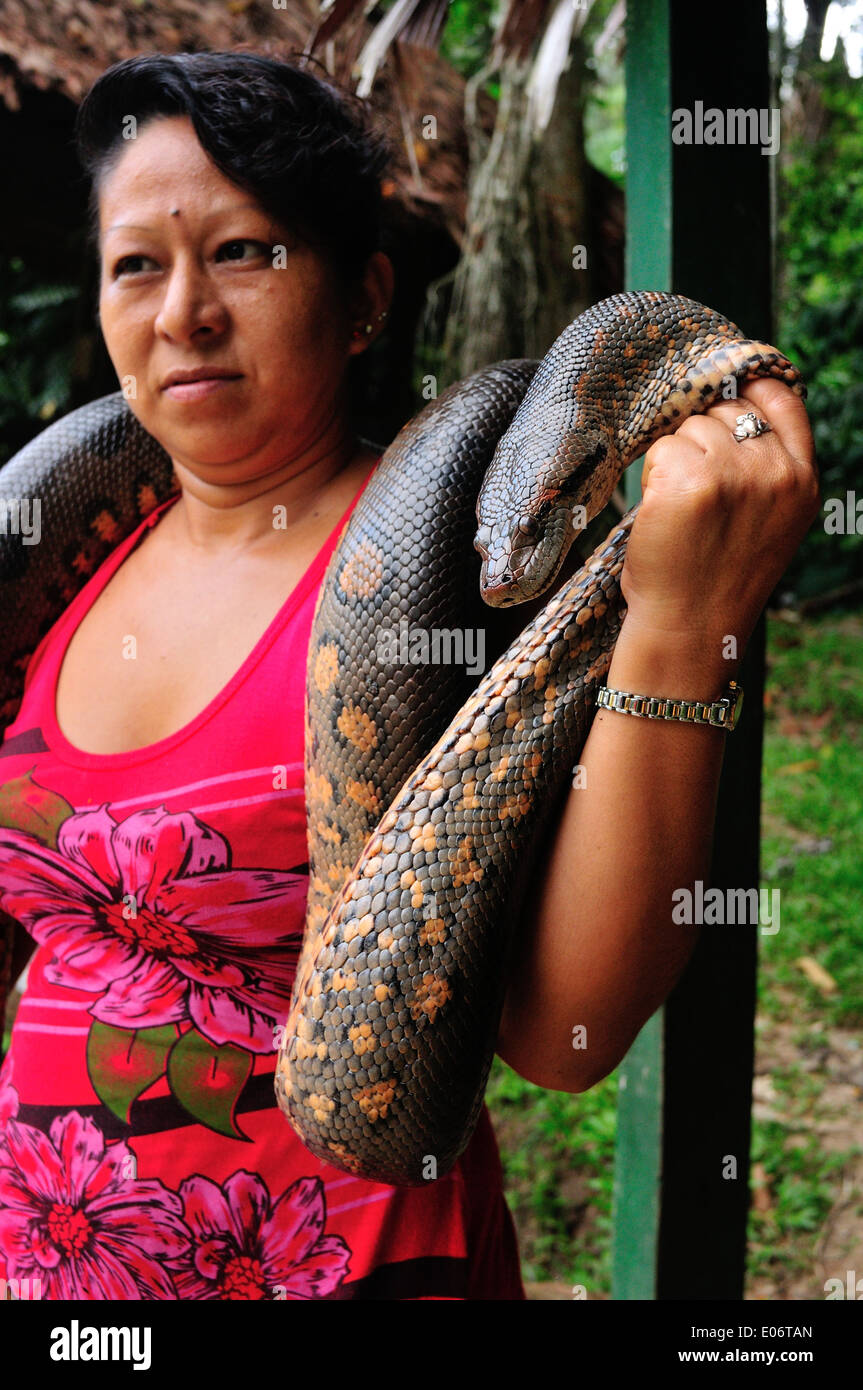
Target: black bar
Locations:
point(721, 255)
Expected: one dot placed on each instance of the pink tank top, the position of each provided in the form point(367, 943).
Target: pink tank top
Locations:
point(142, 1154)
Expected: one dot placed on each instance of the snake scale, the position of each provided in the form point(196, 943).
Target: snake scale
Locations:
point(426, 797)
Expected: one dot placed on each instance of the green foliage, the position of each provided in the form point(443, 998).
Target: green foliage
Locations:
point(467, 35)
point(37, 330)
point(820, 320)
point(604, 128)
point(802, 1183)
point(558, 1150)
point(604, 107)
point(813, 810)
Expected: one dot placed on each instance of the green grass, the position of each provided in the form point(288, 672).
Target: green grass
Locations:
point(558, 1154)
point(813, 792)
point(558, 1150)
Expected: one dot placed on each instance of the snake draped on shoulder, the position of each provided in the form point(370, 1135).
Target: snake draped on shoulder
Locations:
point(429, 778)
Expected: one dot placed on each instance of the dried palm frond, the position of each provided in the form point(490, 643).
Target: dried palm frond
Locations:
point(612, 30)
point(334, 15)
point(516, 34)
point(566, 21)
point(418, 22)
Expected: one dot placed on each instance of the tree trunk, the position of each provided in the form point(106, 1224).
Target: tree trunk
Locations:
point(516, 287)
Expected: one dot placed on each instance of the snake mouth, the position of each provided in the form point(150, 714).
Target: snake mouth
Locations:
point(502, 593)
point(516, 574)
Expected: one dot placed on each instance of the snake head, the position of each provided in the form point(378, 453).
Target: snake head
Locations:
point(532, 504)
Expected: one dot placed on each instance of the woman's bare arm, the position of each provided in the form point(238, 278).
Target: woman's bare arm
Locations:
point(596, 943)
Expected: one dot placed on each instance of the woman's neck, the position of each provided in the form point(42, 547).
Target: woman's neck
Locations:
point(212, 516)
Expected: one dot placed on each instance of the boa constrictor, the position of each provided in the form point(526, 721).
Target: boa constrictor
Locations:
point(426, 798)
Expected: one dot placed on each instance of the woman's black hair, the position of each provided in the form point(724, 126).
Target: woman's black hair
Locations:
point(303, 147)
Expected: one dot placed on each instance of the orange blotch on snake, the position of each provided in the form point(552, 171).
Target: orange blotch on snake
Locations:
point(362, 1039)
point(375, 1101)
point(321, 1106)
point(468, 869)
point(345, 1157)
point(431, 995)
point(515, 806)
point(365, 794)
point(362, 574)
point(320, 787)
point(540, 672)
point(326, 667)
point(358, 728)
point(532, 764)
point(106, 527)
point(432, 932)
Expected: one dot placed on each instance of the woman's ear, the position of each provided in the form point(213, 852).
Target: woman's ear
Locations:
point(371, 302)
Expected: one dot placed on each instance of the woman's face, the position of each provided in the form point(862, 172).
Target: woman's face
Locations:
point(190, 280)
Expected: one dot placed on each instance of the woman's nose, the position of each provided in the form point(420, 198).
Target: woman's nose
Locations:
point(190, 303)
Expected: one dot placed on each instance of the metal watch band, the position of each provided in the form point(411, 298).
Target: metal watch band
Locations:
point(721, 714)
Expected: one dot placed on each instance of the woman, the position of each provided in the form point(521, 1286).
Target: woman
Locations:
point(164, 882)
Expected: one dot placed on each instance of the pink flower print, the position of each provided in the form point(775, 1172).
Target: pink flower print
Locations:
point(69, 1218)
point(8, 1094)
point(246, 1248)
point(149, 912)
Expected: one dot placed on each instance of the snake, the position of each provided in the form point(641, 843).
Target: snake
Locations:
point(428, 791)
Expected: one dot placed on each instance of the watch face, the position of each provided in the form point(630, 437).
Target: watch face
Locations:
point(737, 696)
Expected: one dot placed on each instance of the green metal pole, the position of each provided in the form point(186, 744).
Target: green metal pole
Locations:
point(698, 223)
point(638, 1154)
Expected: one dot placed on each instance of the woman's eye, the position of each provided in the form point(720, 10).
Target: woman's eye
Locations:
point(234, 249)
point(130, 265)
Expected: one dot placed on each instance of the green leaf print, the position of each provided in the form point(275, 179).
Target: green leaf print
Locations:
point(207, 1080)
point(123, 1062)
point(25, 805)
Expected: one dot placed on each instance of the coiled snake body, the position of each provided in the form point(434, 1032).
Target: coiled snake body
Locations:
point(425, 801)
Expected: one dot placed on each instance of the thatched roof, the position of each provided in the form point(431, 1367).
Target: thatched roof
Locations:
point(63, 46)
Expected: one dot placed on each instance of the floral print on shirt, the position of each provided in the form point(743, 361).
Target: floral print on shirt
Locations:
point(77, 1223)
point(188, 955)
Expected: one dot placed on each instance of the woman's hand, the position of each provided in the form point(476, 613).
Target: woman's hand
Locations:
point(719, 521)
point(597, 946)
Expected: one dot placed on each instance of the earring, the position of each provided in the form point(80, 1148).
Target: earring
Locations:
point(368, 328)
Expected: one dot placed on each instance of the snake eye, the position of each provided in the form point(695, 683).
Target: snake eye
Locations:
point(528, 525)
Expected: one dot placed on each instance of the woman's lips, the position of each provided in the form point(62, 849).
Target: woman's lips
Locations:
point(197, 390)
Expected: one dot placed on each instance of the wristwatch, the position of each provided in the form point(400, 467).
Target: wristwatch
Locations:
point(723, 713)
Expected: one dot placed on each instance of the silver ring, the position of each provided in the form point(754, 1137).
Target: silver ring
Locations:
point(750, 425)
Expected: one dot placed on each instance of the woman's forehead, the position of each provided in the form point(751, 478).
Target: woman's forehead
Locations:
point(161, 169)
